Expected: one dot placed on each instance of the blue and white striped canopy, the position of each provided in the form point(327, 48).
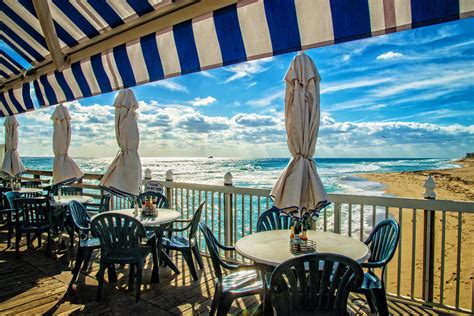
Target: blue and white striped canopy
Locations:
point(245, 30)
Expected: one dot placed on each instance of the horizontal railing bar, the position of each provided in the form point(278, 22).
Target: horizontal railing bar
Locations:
point(405, 203)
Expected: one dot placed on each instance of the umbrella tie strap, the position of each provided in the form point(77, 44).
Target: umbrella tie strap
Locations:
point(304, 156)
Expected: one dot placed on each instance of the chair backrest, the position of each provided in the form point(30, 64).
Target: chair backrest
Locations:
point(34, 211)
point(53, 189)
point(30, 184)
point(314, 283)
point(71, 191)
point(104, 205)
point(272, 219)
point(119, 234)
point(194, 225)
point(211, 243)
point(80, 217)
point(161, 200)
point(11, 196)
point(3, 200)
point(383, 241)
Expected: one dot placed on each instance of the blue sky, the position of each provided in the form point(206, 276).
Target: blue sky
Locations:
point(407, 94)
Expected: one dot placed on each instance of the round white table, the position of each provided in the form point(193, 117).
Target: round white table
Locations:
point(65, 199)
point(271, 248)
point(158, 223)
point(165, 216)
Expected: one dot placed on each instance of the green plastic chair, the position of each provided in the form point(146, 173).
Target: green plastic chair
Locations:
point(7, 211)
point(67, 191)
point(121, 238)
point(33, 216)
point(187, 246)
point(272, 219)
point(243, 281)
point(382, 242)
point(314, 284)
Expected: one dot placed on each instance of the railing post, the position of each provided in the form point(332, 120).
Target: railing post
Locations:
point(428, 243)
point(146, 178)
point(228, 225)
point(169, 189)
point(337, 218)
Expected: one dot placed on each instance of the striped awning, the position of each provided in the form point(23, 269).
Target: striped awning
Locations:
point(241, 31)
point(8, 66)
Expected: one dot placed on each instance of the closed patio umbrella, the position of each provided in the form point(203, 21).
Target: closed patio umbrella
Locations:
point(64, 167)
point(124, 175)
point(299, 184)
point(11, 163)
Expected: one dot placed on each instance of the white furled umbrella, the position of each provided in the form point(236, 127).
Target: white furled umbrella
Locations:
point(124, 175)
point(299, 184)
point(11, 163)
point(64, 167)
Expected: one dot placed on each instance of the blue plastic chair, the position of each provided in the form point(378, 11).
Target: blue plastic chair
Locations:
point(81, 220)
point(121, 238)
point(314, 284)
point(33, 216)
point(382, 242)
point(243, 281)
point(272, 219)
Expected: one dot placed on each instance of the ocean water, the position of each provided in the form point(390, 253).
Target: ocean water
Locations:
point(337, 174)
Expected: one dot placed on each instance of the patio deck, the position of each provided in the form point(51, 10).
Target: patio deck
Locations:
point(36, 284)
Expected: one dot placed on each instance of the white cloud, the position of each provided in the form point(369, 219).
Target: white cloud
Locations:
point(443, 79)
point(353, 84)
point(267, 100)
point(169, 85)
point(389, 55)
point(247, 69)
point(206, 74)
point(203, 101)
point(250, 85)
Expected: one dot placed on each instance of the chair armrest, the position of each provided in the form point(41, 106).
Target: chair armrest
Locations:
point(375, 264)
point(224, 247)
point(181, 229)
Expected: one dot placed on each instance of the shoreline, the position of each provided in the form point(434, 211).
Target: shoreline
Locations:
point(451, 183)
point(455, 184)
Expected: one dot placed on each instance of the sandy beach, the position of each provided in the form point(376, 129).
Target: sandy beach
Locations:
point(451, 184)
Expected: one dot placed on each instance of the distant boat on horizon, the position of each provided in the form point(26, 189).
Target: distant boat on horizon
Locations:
point(210, 157)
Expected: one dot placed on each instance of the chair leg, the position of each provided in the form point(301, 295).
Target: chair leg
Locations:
point(10, 234)
point(28, 241)
point(112, 273)
point(100, 279)
point(71, 238)
point(380, 301)
point(77, 265)
point(88, 255)
point(197, 255)
point(370, 300)
point(225, 303)
point(17, 243)
point(139, 281)
point(131, 276)
point(155, 275)
point(48, 245)
point(216, 299)
point(188, 257)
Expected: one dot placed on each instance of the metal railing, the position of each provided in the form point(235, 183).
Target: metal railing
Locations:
point(432, 265)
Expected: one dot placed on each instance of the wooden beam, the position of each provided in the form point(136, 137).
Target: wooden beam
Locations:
point(46, 21)
point(181, 10)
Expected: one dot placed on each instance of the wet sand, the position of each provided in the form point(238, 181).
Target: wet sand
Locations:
point(451, 184)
